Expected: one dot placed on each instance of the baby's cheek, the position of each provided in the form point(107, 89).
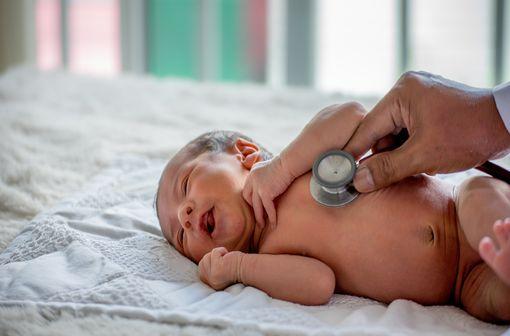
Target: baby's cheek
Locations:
point(199, 249)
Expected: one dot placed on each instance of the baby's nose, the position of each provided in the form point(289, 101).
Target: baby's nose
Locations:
point(186, 215)
point(187, 219)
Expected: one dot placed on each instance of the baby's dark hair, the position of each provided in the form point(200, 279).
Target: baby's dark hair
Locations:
point(215, 142)
point(220, 141)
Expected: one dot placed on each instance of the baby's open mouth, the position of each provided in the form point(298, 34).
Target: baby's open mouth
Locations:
point(208, 221)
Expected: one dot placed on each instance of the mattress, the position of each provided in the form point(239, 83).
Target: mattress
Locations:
point(94, 247)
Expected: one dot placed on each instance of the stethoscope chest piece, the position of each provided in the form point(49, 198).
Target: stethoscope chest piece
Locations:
point(332, 175)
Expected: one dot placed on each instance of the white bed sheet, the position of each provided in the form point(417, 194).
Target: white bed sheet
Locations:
point(101, 251)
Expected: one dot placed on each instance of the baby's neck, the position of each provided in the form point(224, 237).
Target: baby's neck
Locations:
point(256, 238)
point(259, 234)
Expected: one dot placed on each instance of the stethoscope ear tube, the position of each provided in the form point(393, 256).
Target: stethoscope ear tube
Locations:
point(495, 171)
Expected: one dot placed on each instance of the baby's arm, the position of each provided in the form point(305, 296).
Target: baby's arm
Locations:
point(331, 128)
point(287, 277)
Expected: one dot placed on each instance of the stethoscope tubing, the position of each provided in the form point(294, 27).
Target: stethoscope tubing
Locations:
point(495, 171)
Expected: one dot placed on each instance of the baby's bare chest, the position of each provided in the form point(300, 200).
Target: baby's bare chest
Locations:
point(377, 219)
point(349, 237)
point(376, 238)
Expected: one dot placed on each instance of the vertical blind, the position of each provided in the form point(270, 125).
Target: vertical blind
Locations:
point(352, 46)
point(171, 37)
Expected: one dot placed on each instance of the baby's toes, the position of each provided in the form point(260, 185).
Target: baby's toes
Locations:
point(487, 250)
point(506, 228)
point(501, 228)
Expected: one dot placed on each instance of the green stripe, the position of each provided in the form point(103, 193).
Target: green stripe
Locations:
point(172, 37)
point(233, 65)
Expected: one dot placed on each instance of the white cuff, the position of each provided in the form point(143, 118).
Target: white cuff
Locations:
point(501, 95)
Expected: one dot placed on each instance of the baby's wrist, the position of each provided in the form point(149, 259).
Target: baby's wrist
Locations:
point(238, 265)
point(283, 167)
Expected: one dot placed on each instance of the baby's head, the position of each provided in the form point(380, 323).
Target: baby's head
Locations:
point(199, 202)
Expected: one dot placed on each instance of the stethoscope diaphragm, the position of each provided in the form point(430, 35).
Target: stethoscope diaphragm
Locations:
point(332, 175)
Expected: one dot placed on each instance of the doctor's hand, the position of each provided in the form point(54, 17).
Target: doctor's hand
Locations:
point(448, 127)
point(266, 181)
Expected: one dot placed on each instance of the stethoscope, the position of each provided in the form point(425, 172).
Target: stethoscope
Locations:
point(333, 172)
point(332, 175)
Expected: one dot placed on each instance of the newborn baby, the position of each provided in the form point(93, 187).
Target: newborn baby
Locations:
point(419, 239)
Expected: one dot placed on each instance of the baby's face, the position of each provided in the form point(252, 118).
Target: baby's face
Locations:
point(200, 204)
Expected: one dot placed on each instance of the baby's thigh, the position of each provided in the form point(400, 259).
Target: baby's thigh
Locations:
point(485, 296)
point(480, 202)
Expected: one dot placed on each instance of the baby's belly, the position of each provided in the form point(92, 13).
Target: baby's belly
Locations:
point(418, 262)
point(399, 243)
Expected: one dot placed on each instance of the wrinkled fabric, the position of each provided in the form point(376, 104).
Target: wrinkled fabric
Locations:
point(101, 252)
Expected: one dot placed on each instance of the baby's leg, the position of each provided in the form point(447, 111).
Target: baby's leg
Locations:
point(481, 203)
point(485, 296)
point(498, 259)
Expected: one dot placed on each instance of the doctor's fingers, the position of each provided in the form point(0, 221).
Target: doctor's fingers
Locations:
point(382, 169)
point(385, 118)
point(390, 142)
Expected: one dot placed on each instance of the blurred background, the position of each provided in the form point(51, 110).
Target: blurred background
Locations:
point(358, 47)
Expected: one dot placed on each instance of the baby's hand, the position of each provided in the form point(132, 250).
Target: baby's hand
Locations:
point(220, 268)
point(266, 181)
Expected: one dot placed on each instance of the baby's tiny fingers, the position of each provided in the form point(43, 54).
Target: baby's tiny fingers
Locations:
point(202, 274)
point(270, 210)
point(204, 267)
point(221, 250)
point(204, 259)
point(217, 252)
point(247, 194)
point(258, 210)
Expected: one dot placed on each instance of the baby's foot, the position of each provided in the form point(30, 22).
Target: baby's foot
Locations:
point(498, 259)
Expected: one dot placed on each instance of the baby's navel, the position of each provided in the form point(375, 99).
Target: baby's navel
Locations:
point(427, 235)
point(430, 234)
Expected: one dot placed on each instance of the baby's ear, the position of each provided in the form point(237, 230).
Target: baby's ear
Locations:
point(247, 152)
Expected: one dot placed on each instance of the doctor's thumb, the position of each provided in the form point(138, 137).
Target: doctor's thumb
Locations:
point(381, 170)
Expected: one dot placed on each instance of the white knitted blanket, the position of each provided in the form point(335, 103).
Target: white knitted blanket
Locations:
point(100, 251)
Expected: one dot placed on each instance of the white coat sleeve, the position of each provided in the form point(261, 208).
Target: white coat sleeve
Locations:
point(501, 95)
